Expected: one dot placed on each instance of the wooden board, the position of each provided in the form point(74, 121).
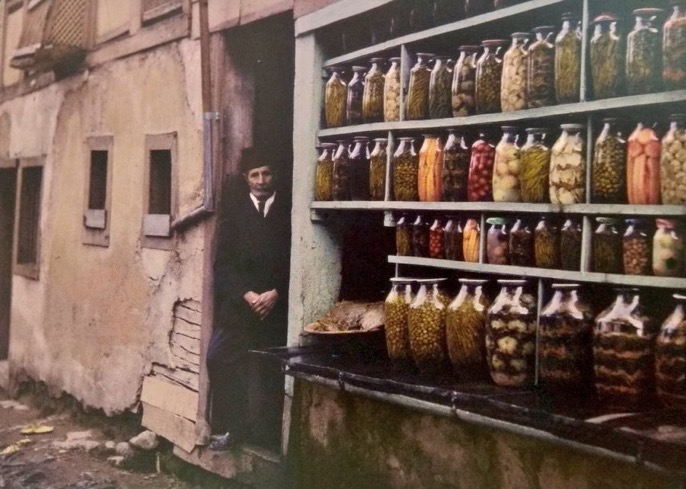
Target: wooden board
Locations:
point(180, 376)
point(170, 397)
point(178, 430)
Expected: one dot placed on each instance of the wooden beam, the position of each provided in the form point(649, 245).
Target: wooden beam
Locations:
point(170, 397)
point(178, 430)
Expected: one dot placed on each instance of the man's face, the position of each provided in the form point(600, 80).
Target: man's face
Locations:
point(261, 182)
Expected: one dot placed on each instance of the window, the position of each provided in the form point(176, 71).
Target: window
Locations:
point(154, 9)
point(14, 23)
point(160, 190)
point(112, 19)
point(96, 214)
point(27, 236)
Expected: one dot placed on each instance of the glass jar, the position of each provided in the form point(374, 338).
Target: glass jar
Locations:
point(464, 76)
point(606, 58)
point(607, 247)
point(426, 320)
point(670, 355)
point(480, 179)
point(359, 165)
point(470, 241)
point(497, 242)
point(506, 168)
point(643, 166)
point(565, 340)
point(636, 245)
point(455, 168)
point(430, 173)
point(341, 172)
point(403, 236)
point(668, 249)
point(513, 82)
point(436, 249)
point(568, 60)
point(420, 237)
point(439, 89)
point(521, 245)
point(489, 71)
point(323, 187)
point(608, 185)
point(535, 158)
point(643, 68)
point(511, 335)
point(372, 96)
point(476, 7)
point(417, 107)
point(567, 179)
point(540, 84)
point(452, 239)
point(546, 244)
point(570, 245)
point(396, 309)
point(335, 94)
point(377, 169)
point(353, 103)
point(465, 325)
point(391, 92)
point(674, 48)
point(673, 162)
point(405, 168)
point(623, 353)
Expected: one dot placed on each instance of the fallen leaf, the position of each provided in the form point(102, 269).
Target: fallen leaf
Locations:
point(35, 429)
point(16, 447)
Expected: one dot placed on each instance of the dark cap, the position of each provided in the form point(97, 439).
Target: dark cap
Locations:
point(251, 158)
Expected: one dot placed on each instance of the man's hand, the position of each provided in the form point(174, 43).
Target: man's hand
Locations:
point(262, 304)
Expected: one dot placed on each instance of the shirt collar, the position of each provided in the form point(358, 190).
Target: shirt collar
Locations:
point(267, 203)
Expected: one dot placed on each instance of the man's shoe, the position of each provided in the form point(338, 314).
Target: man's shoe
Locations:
point(220, 443)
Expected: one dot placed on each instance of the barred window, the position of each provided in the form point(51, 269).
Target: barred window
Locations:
point(160, 190)
point(96, 214)
point(28, 221)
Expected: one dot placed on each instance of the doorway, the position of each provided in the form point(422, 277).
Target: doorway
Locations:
point(8, 186)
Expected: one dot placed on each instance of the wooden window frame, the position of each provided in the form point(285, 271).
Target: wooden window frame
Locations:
point(28, 270)
point(156, 229)
point(96, 222)
point(154, 14)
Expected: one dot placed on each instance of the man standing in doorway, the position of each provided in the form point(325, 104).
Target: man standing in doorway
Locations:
point(251, 279)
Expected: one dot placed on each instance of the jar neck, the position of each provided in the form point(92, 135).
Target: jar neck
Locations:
point(676, 125)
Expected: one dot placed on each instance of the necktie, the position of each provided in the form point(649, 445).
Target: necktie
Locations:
point(260, 208)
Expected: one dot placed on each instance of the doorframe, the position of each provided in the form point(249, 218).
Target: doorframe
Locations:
point(9, 171)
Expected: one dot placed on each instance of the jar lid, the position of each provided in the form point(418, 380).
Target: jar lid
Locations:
point(395, 58)
point(613, 120)
point(402, 280)
point(565, 286)
point(431, 280)
point(665, 223)
point(328, 145)
point(406, 138)
point(572, 127)
point(508, 128)
point(647, 12)
point(474, 281)
point(520, 35)
point(425, 55)
point(511, 281)
point(606, 220)
point(377, 60)
point(543, 28)
point(677, 117)
point(535, 130)
point(381, 140)
point(361, 138)
point(633, 221)
point(442, 57)
point(605, 17)
point(469, 48)
point(359, 68)
point(570, 16)
point(493, 42)
point(334, 68)
point(498, 221)
point(679, 297)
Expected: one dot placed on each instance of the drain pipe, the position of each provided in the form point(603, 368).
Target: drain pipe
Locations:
point(208, 122)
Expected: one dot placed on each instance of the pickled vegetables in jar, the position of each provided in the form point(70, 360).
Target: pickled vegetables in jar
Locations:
point(607, 58)
point(643, 68)
point(540, 85)
point(420, 237)
point(377, 169)
point(465, 323)
point(546, 244)
point(372, 96)
point(609, 165)
point(359, 169)
point(470, 241)
point(513, 82)
point(455, 168)
point(436, 249)
point(521, 245)
point(463, 86)
point(353, 103)
point(673, 162)
point(637, 247)
point(670, 356)
point(567, 178)
point(396, 309)
point(607, 247)
point(342, 172)
point(405, 169)
point(668, 249)
point(674, 47)
point(335, 94)
point(323, 188)
point(497, 241)
point(480, 180)
point(506, 168)
point(535, 162)
point(403, 236)
point(570, 245)
point(568, 60)
point(391, 92)
point(426, 320)
point(643, 166)
point(489, 71)
point(430, 172)
point(452, 239)
point(417, 107)
point(440, 89)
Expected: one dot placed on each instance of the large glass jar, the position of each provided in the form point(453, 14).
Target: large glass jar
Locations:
point(570, 245)
point(405, 167)
point(521, 245)
point(535, 158)
point(430, 173)
point(403, 236)
point(464, 75)
point(567, 179)
point(540, 85)
point(372, 97)
point(417, 106)
point(377, 169)
point(455, 168)
point(436, 242)
point(439, 89)
point(353, 103)
point(607, 58)
point(497, 241)
point(359, 165)
point(668, 249)
point(426, 320)
point(565, 340)
point(644, 54)
point(673, 162)
point(323, 187)
point(334, 98)
point(480, 180)
point(341, 172)
point(546, 244)
point(636, 244)
point(674, 47)
point(396, 309)
point(643, 166)
point(608, 185)
point(670, 357)
point(391, 92)
point(623, 353)
point(420, 237)
point(568, 60)
point(489, 71)
point(470, 241)
point(513, 82)
point(465, 324)
point(506, 168)
point(511, 335)
point(607, 247)
point(452, 239)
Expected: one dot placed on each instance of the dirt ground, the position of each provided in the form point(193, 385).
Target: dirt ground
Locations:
point(75, 453)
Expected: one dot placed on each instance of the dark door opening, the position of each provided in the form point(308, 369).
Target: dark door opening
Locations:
point(8, 186)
